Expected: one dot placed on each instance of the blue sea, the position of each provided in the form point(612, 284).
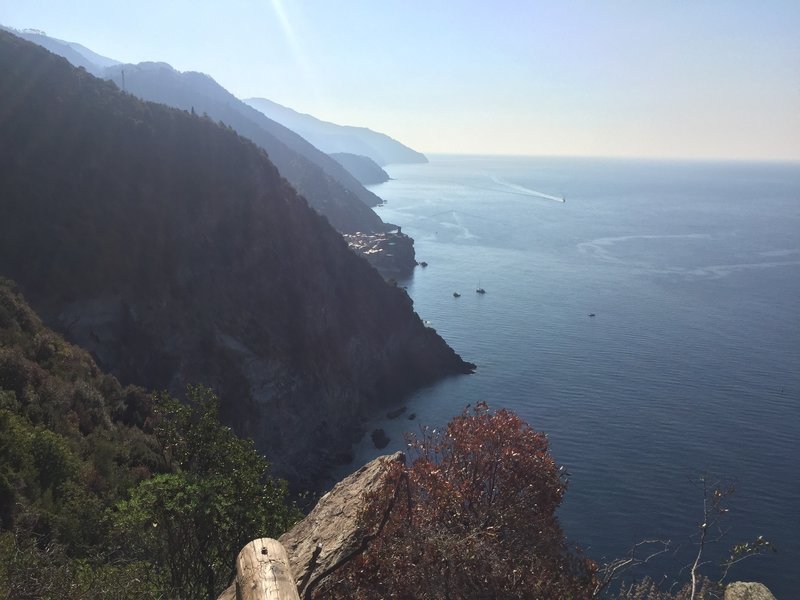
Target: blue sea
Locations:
point(690, 366)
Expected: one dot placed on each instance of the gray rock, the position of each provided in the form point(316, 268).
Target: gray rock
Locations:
point(332, 532)
point(741, 590)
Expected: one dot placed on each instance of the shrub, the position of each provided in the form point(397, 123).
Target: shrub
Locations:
point(473, 516)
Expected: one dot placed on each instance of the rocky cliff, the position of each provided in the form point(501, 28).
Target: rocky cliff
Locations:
point(332, 533)
point(171, 248)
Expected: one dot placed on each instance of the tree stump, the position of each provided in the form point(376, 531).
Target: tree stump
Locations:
point(263, 572)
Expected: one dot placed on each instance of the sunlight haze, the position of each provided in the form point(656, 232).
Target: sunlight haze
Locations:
point(690, 80)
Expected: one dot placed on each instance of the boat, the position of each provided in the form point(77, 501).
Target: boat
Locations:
point(456, 295)
point(592, 315)
point(480, 290)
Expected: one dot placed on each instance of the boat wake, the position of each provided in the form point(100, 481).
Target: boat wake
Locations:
point(521, 190)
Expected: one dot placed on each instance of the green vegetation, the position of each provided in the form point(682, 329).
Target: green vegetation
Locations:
point(109, 492)
point(217, 497)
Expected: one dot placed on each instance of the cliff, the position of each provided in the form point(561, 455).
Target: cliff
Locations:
point(172, 249)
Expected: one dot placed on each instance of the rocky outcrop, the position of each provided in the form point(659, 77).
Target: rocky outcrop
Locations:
point(741, 590)
point(331, 533)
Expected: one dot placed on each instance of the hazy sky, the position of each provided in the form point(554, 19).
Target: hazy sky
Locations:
point(674, 78)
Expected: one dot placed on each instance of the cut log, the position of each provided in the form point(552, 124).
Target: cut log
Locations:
point(263, 572)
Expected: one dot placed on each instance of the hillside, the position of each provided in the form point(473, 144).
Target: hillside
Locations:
point(76, 54)
point(55, 402)
point(328, 187)
point(172, 249)
point(363, 168)
point(333, 138)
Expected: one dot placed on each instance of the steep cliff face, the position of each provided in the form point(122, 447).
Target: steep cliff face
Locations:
point(172, 249)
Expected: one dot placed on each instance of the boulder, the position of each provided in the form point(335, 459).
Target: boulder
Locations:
point(332, 533)
point(747, 590)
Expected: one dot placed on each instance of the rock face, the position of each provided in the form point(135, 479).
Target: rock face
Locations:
point(741, 590)
point(331, 533)
point(172, 249)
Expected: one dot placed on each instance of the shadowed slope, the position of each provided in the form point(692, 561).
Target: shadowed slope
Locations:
point(171, 248)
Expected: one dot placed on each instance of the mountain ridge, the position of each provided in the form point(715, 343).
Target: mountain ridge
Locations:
point(332, 138)
point(172, 249)
point(322, 181)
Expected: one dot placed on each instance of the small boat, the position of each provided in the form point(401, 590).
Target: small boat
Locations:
point(480, 290)
point(456, 295)
point(592, 315)
point(423, 264)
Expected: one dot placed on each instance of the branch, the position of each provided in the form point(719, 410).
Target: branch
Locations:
point(613, 569)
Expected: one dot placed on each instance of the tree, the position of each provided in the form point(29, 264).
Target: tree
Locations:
point(473, 516)
point(194, 520)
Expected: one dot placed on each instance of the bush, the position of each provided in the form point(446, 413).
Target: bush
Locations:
point(193, 522)
point(473, 516)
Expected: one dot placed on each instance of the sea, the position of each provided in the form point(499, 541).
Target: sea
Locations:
point(645, 315)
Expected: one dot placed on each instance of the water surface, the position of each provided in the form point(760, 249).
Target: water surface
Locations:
point(691, 363)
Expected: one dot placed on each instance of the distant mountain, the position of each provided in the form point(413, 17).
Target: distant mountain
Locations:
point(172, 249)
point(78, 55)
point(363, 168)
point(327, 186)
point(332, 138)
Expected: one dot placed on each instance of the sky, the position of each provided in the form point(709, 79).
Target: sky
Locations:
point(711, 79)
